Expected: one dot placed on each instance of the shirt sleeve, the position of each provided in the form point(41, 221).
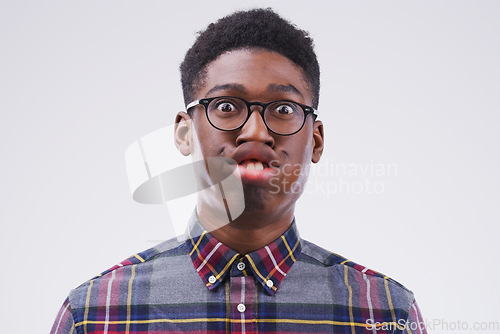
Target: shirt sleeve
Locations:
point(64, 323)
point(415, 324)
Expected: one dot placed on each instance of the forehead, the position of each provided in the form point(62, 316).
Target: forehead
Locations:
point(255, 74)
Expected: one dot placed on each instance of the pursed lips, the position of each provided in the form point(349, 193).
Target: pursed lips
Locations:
point(256, 161)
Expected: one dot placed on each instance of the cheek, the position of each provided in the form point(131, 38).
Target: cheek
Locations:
point(292, 181)
point(300, 150)
point(293, 171)
point(296, 169)
point(210, 142)
point(292, 178)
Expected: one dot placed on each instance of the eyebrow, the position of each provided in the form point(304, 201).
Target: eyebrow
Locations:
point(271, 88)
point(230, 86)
point(284, 88)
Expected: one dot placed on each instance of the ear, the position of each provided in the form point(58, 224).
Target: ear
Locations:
point(183, 133)
point(318, 141)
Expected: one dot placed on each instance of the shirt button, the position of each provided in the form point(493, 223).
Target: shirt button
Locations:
point(212, 279)
point(241, 308)
point(240, 266)
point(269, 283)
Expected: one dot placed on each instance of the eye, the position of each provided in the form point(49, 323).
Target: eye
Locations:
point(226, 107)
point(284, 109)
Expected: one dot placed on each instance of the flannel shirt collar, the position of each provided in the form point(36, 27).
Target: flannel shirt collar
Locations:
point(213, 260)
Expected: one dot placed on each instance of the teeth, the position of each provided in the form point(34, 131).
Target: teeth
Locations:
point(254, 165)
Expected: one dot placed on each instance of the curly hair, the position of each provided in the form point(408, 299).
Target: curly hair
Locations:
point(259, 28)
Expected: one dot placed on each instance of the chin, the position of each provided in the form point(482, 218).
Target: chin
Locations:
point(255, 198)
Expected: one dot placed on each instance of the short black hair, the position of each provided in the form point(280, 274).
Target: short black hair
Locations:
point(259, 28)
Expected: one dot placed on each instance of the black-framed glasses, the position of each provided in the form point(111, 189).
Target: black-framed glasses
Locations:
point(229, 113)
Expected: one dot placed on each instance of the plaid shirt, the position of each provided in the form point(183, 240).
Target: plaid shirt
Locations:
point(202, 286)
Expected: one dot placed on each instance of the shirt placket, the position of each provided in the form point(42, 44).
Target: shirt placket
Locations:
point(242, 299)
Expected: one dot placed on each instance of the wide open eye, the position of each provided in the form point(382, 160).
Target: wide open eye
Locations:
point(284, 109)
point(226, 107)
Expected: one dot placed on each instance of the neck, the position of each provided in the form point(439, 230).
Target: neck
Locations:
point(250, 231)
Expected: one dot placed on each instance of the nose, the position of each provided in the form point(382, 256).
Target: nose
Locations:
point(255, 130)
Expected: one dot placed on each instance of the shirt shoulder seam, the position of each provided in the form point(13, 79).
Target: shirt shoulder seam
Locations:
point(331, 259)
point(136, 259)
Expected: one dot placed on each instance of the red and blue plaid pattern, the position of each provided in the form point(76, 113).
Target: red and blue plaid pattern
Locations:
point(271, 263)
point(289, 286)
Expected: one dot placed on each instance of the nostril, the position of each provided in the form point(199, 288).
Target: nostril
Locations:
point(241, 140)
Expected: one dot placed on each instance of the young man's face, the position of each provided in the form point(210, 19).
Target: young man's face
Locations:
point(273, 167)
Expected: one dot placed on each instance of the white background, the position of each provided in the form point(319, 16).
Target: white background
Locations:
point(413, 84)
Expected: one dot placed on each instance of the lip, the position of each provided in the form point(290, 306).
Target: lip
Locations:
point(257, 152)
point(251, 151)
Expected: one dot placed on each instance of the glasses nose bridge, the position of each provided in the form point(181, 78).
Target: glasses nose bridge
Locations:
point(255, 127)
point(251, 109)
point(259, 104)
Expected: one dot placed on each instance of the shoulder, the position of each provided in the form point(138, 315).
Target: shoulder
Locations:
point(169, 256)
point(315, 254)
point(169, 248)
point(355, 276)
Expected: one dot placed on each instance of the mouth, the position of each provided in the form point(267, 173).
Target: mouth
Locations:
point(252, 164)
point(257, 162)
point(256, 171)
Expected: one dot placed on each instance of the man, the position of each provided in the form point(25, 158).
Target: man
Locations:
point(251, 87)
